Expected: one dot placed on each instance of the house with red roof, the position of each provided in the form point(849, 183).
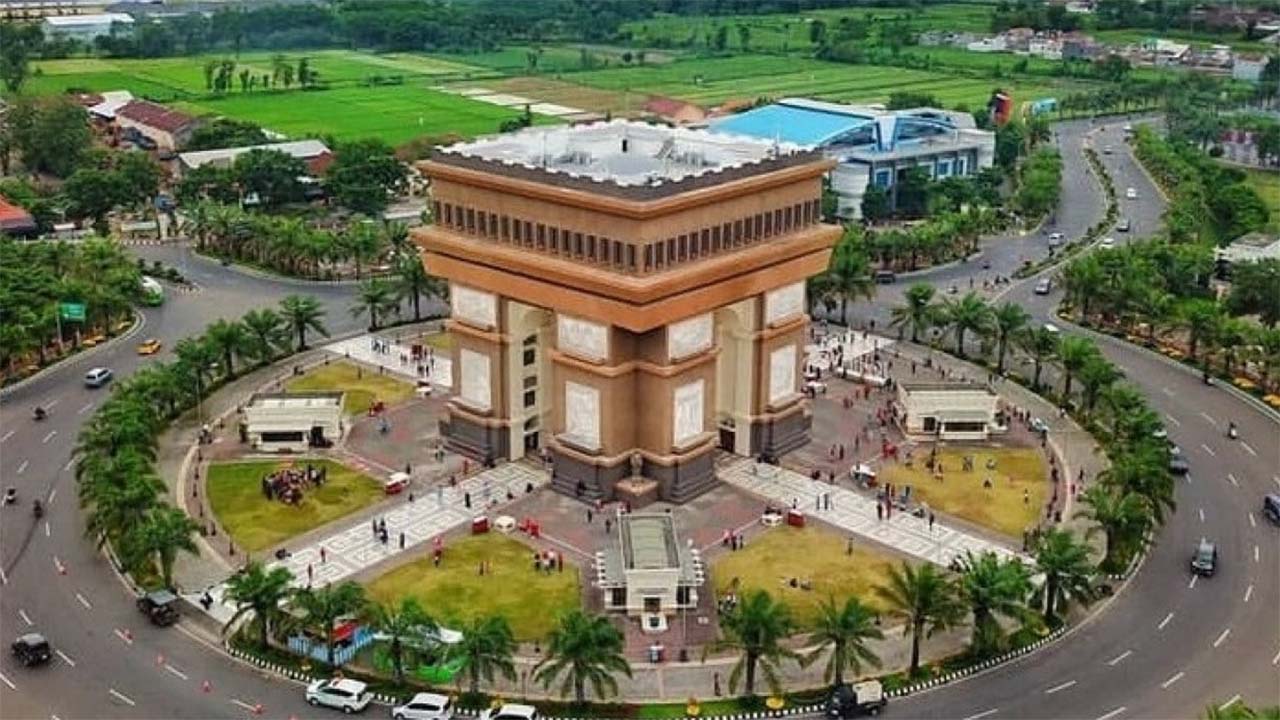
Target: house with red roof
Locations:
point(15, 221)
point(169, 129)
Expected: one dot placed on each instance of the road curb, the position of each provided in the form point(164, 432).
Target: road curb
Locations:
point(139, 322)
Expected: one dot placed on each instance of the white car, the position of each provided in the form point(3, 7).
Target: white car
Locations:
point(349, 696)
point(1044, 286)
point(1055, 239)
point(1039, 426)
point(1107, 243)
point(97, 377)
point(424, 706)
point(511, 711)
point(1107, 150)
point(1131, 193)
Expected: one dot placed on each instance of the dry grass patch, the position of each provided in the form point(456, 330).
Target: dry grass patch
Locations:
point(361, 385)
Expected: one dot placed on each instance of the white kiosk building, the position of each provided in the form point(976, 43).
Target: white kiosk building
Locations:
point(293, 422)
point(646, 572)
point(949, 411)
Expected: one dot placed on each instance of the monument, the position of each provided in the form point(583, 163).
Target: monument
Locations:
point(627, 298)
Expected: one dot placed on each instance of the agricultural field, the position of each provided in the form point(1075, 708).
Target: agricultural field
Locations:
point(562, 92)
point(1267, 183)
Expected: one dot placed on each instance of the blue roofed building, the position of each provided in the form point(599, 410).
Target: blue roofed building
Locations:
point(871, 145)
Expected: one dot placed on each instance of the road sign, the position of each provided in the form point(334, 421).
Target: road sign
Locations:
point(71, 311)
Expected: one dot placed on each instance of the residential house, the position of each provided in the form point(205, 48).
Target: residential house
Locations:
point(1249, 67)
point(111, 102)
point(314, 153)
point(1018, 39)
point(167, 128)
point(15, 221)
point(1045, 46)
point(1079, 46)
point(987, 45)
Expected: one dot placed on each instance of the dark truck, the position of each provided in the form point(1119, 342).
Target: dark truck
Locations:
point(864, 698)
point(161, 606)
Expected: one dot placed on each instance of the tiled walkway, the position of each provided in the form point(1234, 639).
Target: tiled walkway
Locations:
point(855, 513)
point(439, 368)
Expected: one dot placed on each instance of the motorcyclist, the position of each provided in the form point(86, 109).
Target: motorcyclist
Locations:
point(1231, 429)
point(36, 508)
point(10, 495)
point(39, 413)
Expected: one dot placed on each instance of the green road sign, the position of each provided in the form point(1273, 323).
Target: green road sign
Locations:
point(71, 311)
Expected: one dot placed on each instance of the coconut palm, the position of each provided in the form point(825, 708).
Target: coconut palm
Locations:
point(1121, 516)
point(993, 588)
point(1007, 321)
point(375, 298)
point(1096, 376)
point(266, 334)
point(162, 533)
point(1066, 573)
point(412, 281)
point(918, 313)
point(302, 313)
point(968, 314)
point(844, 631)
point(363, 243)
point(397, 622)
point(262, 592)
point(755, 628)
point(230, 338)
point(322, 607)
point(584, 649)
point(1073, 354)
point(485, 650)
point(1143, 469)
point(1200, 317)
point(925, 599)
point(116, 504)
point(849, 275)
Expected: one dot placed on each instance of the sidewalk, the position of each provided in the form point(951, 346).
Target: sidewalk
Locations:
point(435, 365)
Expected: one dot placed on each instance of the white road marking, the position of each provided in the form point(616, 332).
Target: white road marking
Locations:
point(1119, 658)
point(84, 602)
point(1201, 514)
point(46, 528)
point(1257, 556)
point(65, 659)
point(70, 464)
point(1208, 450)
point(1234, 699)
point(1233, 480)
point(1248, 448)
point(983, 714)
point(1165, 685)
point(6, 681)
point(1248, 593)
point(1209, 417)
point(22, 468)
point(52, 494)
point(1191, 585)
point(8, 435)
point(4, 579)
point(1176, 422)
point(121, 697)
point(128, 640)
point(1276, 660)
point(1222, 638)
point(48, 437)
point(1276, 479)
point(1166, 391)
point(175, 671)
point(25, 618)
point(1113, 713)
point(87, 407)
point(243, 704)
point(58, 566)
point(1060, 688)
point(1252, 522)
point(1165, 621)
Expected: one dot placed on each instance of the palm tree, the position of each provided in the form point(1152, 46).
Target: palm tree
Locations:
point(262, 592)
point(363, 243)
point(163, 532)
point(919, 311)
point(925, 599)
point(230, 338)
point(117, 504)
point(1143, 469)
point(266, 333)
point(1066, 571)
point(323, 606)
point(1073, 354)
point(1201, 317)
point(1121, 516)
point(1008, 320)
point(969, 313)
point(412, 281)
point(755, 628)
point(397, 622)
point(585, 649)
point(302, 313)
point(486, 649)
point(197, 358)
point(845, 630)
point(1096, 376)
point(849, 274)
point(993, 588)
point(376, 297)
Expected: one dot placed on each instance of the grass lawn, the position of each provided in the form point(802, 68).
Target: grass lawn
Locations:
point(820, 556)
point(255, 523)
point(361, 385)
point(529, 600)
point(1267, 183)
point(961, 494)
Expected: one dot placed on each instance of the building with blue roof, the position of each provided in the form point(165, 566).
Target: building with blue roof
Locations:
point(871, 145)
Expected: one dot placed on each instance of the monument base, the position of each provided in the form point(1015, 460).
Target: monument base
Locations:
point(637, 492)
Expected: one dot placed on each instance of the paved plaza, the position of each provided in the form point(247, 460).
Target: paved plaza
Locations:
point(394, 353)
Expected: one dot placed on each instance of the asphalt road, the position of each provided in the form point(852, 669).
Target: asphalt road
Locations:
point(1164, 648)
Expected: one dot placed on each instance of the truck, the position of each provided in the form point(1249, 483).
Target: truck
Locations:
point(864, 698)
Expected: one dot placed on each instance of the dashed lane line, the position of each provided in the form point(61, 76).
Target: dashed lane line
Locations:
point(1191, 585)
point(70, 464)
point(1248, 593)
point(1165, 621)
point(1248, 448)
point(7, 435)
point(120, 634)
point(1222, 638)
point(1257, 554)
point(25, 617)
point(65, 659)
point(1165, 685)
point(1060, 688)
point(1113, 713)
point(50, 436)
point(121, 697)
point(1166, 391)
point(87, 407)
point(83, 601)
point(1201, 514)
point(46, 528)
point(983, 714)
point(1233, 480)
point(1209, 450)
point(1209, 418)
point(1176, 422)
point(49, 405)
point(8, 682)
point(1119, 658)
point(1234, 699)
point(244, 705)
point(4, 579)
point(1252, 523)
point(1276, 660)
point(52, 494)
point(23, 467)
point(175, 671)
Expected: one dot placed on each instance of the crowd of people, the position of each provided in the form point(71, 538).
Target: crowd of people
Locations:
point(288, 483)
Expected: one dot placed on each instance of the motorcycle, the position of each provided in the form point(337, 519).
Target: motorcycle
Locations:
point(37, 509)
point(39, 413)
point(1232, 432)
point(10, 496)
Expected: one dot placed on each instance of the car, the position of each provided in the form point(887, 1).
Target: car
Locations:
point(1040, 426)
point(885, 277)
point(424, 706)
point(1131, 194)
point(1055, 239)
point(161, 606)
point(864, 698)
point(511, 711)
point(1107, 150)
point(150, 346)
point(1178, 465)
point(349, 696)
point(1128, 128)
point(1124, 225)
point(1107, 243)
point(1051, 328)
point(1271, 508)
point(1044, 286)
point(97, 377)
point(31, 649)
point(1204, 561)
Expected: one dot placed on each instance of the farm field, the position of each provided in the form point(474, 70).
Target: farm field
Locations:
point(561, 92)
point(1267, 183)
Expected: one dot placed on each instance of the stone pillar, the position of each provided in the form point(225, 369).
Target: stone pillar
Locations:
point(477, 414)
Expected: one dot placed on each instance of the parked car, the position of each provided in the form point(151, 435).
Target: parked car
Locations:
point(1107, 150)
point(1039, 426)
point(1178, 465)
point(97, 377)
point(424, 706)
point(160, 606)
point(1055, 239)
point(1271, 508)
point(1107, 243)
point(1204, 561)
point(1044, 286)
point(31, 649)
point(864, 698)
point(1131, 194)
point(1124, 225)
point(349, 696)
point(511, 711)
point(150, 346)
point(885, 277)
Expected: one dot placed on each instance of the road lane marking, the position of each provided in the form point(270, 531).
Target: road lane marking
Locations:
point(1234, 699)
point(65, 659)
point(1209, 450)
point(1252, 522)
point(6, 681)
point(1166, 391)
point(245, 705)
point(4, 579)
point(1176, 422)
point(121, 697)
point(46, 528)
point(23, 467)
point(58, 566)
point(983, 714)
point(70, 464)
point(49, 405)
point(1119, 658)
point(1257, 556)
point(1222, 638)
point(1233, 480)
point(1201, 514)
point(1248, 593)
point(48, 437)
point(1276, 660)
point(1209, 417)
point(1248, 448)
point(1113, 713)
point(84, 602)
point(52, 494)
point(128, 640)
point(1276, 479)
point(1165, 685)
point(25, 618)
point(1165, 621)
point(175, 671)
point(1191, 585)
point(8, 435)
point(1060, 688)
point(87, 407)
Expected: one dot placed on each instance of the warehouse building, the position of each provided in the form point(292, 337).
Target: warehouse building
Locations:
point(84, 27)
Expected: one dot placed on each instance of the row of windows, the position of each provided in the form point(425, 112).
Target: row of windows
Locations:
point(624, 255)
point(943, 168)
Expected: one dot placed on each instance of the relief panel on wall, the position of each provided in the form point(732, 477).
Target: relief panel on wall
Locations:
point(782, 374)
point(689, 337)
point(784, 303)
point(687, 412)
point(475, 388)
point(582, 338)
point(582, 415)
point(473, 307)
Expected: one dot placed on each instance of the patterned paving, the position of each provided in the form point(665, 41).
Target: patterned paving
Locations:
point(855, 513)
point(360, 348)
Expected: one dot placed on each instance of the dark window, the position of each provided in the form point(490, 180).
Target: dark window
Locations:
point(768, 224)
point(448, 214)
point(715, 239)
point(929, 424)
point(542, 236)
point(528, 233)
point(618, 597)
point(436, 210)
point(282, 436)
point(786, 219)
point(671, 250)
point(648, 257)
point(705, 244)
point(530, 355)
point(577, 244)
point(631, 257)
point(554, 243)
point(506, 228)
point(968, 426)
point(737, 232)
point(683, 251)
point(530, 398)
point(471, 220)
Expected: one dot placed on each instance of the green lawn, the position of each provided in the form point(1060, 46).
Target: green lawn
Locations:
point(817, 555)
point(255, 523)
point(531, 601)
point(361, 385)
point(514, 59)
point(1267, 183)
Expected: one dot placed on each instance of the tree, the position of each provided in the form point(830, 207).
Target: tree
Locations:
point(1239, 711)
point(756, 628)
point(925, 599)
point(397, 622)
point(993, 588)
point(412, 281)
point(1254, 290)
point(875, 203)
point(163, 532)
point(302, 313)
point(1122, 517)
point(1200, 317)
point(968, 314)
point(1066, 573)
point(271, 175)
point(485, 650)
point(363, 243)
point(376, 298)
point(321, 608)
point(260, 591)
point(744, 37)
point(1073, 354)
point(918, 313)
point(584, 649)
point(92, 193)
point(224, 133)
point(116, 504)
point(364, 175)
point(849, 272)
point(844, 630)
point(1007, 322)
point(1096, 376)
point(137, 177)
point(266, 334)
point(230, 338)
point(18, 42)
